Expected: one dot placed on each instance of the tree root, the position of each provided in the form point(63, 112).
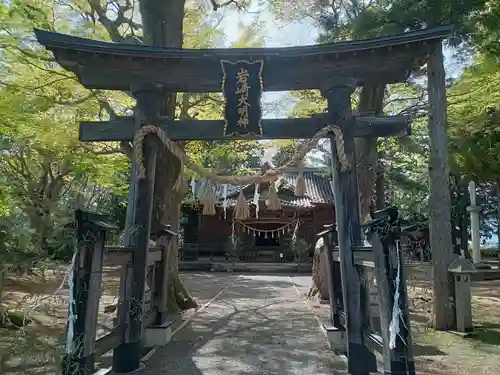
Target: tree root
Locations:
point(178, 298)
point(319, 286)
point(313, 291)
point(13, 320)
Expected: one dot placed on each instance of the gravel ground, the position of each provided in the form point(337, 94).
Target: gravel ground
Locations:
point(260, 325)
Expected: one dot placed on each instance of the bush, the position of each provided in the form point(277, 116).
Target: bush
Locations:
point(489, 252)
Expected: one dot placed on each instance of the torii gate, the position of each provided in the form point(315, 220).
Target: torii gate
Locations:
point(336, 69)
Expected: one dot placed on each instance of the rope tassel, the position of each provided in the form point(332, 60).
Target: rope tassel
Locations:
point(224, 203)
point(241, 209)
point(256, 200)
point(397, 314)
point(209, 202)
point(180, 183)
point(300, 184)
point(193, 186)
point(273, 201)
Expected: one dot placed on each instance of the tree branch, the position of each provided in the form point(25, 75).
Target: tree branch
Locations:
point(126, 147)
point(236, 3)
point(113, 26)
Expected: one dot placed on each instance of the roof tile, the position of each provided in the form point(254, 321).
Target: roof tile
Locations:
point(319, 190)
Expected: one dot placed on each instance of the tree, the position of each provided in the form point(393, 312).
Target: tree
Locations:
point(475, 133)
point(474, 118)
point(354, 20)
point(115, 21)
point(163, 26)
point(41, 167)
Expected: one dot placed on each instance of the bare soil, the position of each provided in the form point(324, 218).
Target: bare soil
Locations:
point(43, 298)
point(37, 348)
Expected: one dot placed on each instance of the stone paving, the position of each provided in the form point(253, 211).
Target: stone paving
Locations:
point(260, 325)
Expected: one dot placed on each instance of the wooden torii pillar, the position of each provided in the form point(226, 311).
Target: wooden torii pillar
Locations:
point(127, 356)
point(345, 185)
point(361, 360)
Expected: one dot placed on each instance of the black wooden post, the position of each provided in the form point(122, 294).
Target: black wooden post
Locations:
point(127, 356)
point(336, 276)
point(333, 276)
point(162, 235)
point(391, 282)
point(361, 361)
point(86, 293)
point(338, 96)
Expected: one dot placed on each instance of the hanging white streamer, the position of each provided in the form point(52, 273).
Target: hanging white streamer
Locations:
point(396, 310)
point(295, 231)
point(193, 186)
point(256, 200)
point(71, 313)
point(224, 204)
point(203, 189)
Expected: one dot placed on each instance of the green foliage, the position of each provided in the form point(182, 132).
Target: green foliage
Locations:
point(45, 171)
point(404, 161)
point(354, 19)
point(285, 151)
point(237, 157)
point(474, 120)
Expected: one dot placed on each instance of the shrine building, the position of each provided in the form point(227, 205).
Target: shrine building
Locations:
point(267, 235)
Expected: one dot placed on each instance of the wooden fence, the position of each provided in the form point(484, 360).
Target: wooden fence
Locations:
point(361, 324)
point(91, 255)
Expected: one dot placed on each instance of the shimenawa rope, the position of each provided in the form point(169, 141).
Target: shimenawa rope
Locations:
point(269, 176)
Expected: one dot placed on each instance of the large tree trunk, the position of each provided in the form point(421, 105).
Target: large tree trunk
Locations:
point(371, 98)
point(162, 23)
point(380, 184)
point(167, 211)
point(439, 194)
point(319, 275)
point(497, 189)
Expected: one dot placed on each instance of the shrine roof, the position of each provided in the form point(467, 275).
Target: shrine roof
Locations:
point(319, 190)
point(117, 66)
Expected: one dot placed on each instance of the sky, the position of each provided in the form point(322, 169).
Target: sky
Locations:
point(276, 34)
point(280, 34)
point(283, 34)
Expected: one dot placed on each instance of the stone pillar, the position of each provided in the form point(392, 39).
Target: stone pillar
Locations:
point(474, 210)
point(461, 270)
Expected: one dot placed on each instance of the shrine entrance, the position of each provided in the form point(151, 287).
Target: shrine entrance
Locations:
point(242, 75)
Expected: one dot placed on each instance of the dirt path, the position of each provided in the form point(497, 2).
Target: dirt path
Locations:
point(260, 325)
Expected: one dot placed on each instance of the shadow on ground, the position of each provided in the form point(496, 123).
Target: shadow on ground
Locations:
point(487, 333)
point(247, 286)
point(260, 325)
